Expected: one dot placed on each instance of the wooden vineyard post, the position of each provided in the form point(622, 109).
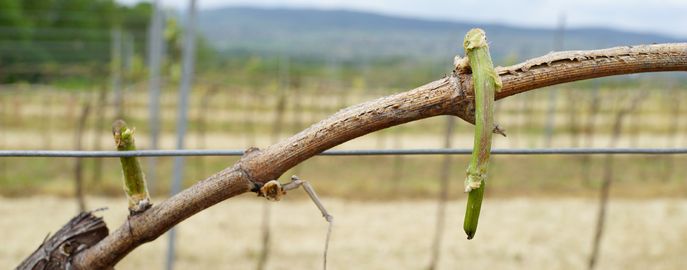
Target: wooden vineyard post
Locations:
point(608, 179)
point(78, 167)
point(445, 175)
point(266, 230)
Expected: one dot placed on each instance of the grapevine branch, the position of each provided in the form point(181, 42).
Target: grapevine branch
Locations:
point(452, 95)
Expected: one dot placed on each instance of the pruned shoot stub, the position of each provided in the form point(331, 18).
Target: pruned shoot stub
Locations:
point(134, 180)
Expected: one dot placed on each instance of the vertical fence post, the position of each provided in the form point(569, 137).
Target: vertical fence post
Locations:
point(127, 71)
point(78, 166)
point(553, 93)
point(635, 123)
point(589, 133)
point(397, 162)
point(276, 131)
point(100, 102)
point(248, 115)
point(572, 100)
point(155, 46)
point(201, 118)
point(3, 130)
point(46, 117)
point(17, 112)
point(443, 195)
point(673, 97)
point(297, 110)
point(116, 69)
point(528, 105)
point(608, 179)
point(188, 61)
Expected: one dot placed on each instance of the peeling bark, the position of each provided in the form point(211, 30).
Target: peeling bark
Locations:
point(55, 252)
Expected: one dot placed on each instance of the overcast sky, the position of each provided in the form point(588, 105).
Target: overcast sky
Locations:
point(659, 16)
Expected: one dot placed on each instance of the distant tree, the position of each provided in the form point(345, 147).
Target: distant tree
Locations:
point(40, 36)
point(15, 28)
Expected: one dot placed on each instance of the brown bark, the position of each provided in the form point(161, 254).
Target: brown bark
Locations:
point(82, 231)
point(446, 96)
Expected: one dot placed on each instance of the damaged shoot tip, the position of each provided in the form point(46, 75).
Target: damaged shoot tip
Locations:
point(134, 181)
point(486, 83)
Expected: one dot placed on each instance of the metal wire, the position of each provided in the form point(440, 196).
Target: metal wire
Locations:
point(358, 152)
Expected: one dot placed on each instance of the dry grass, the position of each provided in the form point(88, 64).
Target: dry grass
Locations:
point(235, 119)
point(514, 233)
point(374, 178)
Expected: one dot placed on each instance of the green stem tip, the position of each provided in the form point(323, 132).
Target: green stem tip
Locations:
point(134, 180)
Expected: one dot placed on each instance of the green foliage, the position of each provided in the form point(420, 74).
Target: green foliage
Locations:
point(74, 35)
point(174, 39)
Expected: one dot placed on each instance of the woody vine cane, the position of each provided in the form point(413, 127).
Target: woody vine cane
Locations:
point(439, 97)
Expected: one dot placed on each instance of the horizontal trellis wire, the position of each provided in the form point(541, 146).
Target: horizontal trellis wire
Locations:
point(359, 152)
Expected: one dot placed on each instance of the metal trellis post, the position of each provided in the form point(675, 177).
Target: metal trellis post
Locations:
point(188, 61)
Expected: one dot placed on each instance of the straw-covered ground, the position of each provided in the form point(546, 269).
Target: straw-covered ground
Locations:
point(514, 233)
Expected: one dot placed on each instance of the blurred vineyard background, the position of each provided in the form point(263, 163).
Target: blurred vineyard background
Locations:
point(69, 68)
point(235, 117)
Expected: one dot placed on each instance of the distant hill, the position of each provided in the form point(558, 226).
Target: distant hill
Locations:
point(349, 34)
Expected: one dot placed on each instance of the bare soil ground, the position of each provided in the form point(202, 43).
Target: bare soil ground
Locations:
point(514, 233)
